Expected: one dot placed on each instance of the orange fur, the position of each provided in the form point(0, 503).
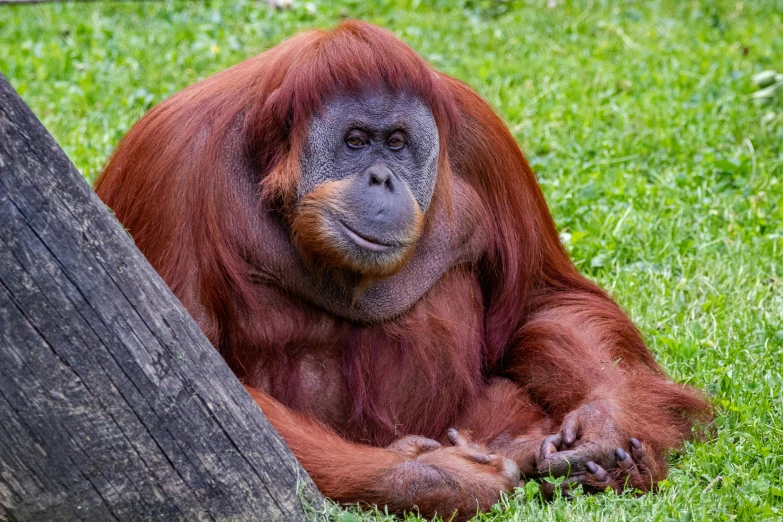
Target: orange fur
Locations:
point(505, 346)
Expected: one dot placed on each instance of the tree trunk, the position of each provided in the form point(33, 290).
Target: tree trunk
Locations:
point(113, 404)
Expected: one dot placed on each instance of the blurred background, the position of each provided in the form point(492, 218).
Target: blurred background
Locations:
point(658, 146)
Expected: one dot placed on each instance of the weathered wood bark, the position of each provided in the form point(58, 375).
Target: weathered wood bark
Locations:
point(113, 404)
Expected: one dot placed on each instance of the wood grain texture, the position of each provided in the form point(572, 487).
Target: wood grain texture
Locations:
point(113, 404)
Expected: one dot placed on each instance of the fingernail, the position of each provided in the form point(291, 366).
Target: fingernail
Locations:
point(592, 467)
point(636, 444)
point(431, 444)
point(621, 454)
point(482, 458)
point(451, 433)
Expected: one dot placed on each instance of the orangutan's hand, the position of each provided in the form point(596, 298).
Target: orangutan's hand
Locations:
point(462, 477)
point(591, 450)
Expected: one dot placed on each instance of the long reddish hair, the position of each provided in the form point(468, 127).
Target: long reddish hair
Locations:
point(183, 228)
point(192, 177)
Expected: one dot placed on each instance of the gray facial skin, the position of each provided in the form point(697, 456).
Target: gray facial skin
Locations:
point(374, 118)
point(376, 155)
point(445, 242)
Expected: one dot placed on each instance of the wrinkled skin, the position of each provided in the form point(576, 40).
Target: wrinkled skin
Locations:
point(379, 267)
point(461, 476)
point(588, 451)
point(587, 445)
point(376, 190)
point(368, 175)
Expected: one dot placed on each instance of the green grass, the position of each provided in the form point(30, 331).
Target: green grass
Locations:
point(664, 178)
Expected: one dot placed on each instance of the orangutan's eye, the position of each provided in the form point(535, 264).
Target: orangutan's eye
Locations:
point(356, 139)
point(396, 141)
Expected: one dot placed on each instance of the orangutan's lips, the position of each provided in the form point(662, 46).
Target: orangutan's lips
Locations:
point(365, 242)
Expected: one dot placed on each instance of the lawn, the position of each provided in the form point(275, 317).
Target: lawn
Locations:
point(664, 177)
